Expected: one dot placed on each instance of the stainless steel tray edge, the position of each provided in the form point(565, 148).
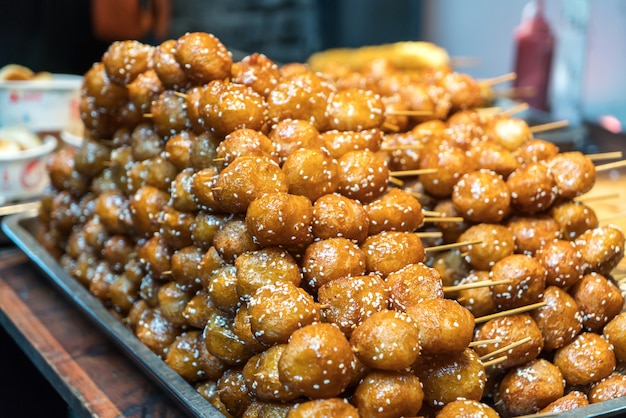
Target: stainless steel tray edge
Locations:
point(18, 228)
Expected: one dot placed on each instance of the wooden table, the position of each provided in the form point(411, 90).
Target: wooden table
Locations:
point(91, 373)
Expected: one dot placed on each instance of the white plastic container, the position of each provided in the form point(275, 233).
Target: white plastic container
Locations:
point(41, 105)
point(23, 175)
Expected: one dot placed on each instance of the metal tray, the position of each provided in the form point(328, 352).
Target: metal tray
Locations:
point(20, 227)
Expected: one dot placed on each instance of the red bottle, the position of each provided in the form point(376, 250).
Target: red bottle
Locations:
point(533, 59)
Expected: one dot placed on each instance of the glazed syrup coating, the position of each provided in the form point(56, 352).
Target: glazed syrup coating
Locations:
point(289, 135)
point(527, 281)
point(320, 408)
point(533, 150)
point(533, 188)
point(339, 142)
point(508, 330)
point(233, 238)
point(390, 251)
point(602, 248)
point(563, 263)
point(198, 310)
point(144, 89)
point(573, 172)
point(396, 210)
point(172, 300)
point(145, 206)
point(466, 409)
point(185, 263)
point(330, 259)
point(387, 340)
point(278, 309)
point(363, 175)
point(261, 376)
point(280, 219)
point(103, 93)
point(451, 164)
point(599, 299)
point(222, 342)
point(560, 320)
point(611, 387)
point(176, 227)
point(482, 196)
point(317, 361)
point(91, 157)
point(311, 173)
point(450, 377)
point(530, 387)
point(202, 57)
point(496, 242)
point(256, 71)
point(337, 216)
point(389, 394)
point(348, 301)
point(413, 284)
point(587, 359)
point(189, 358)
point(444, 325)
point(245, 141)
point(169, 114)
point(221, 288)
point(615, 333)
point(181, 195)
point(169, 71)
point(156, 332)
point(201, 184)
point(573, 218)
point(479, 301)
point(508, 131)
point(531, 233)
point(574, 399)
point(495, 157)
point(125, 60)
point(355, 110)
point(233, 391)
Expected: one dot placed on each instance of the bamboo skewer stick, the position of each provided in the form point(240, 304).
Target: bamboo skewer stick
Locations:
point(426, 234)
point(505, 348)
point(610, 166)
point(475, 285)
point(432, 213)
point(395, 181)
point(514, 311)
point(445, 219)
point(515, 109)
point(449, 246)
point(485, 342)
point(494, 361)
point(595, 198)
point(402, 147)
point(407, 173)
point(548, 126)
point(408, 112)
point(497, 80)
point(605, 155)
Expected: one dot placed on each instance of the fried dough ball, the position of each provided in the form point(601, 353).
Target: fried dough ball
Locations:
point(145, 142)
point(464, 90)
point(479, 301)
point(355, 110)
point(331, 259)
point(144, 89)
point(444, 325)
point(451, 164)
point(527, 281)
point(156, 331)
point(166, 67)
point(317, 361)
point(145, 206)
point(242, 327)
point(321, 408)
point(611, 387)
point(563, 263)
point(339, 142)
point(573, 218)
point(495, 157)
point(175, 227)
point(155, 256)
point(599, 299)
point(587, 359)
point(527, 388)
point(573, 400)
point(533, 232)
point(244, 180)
point(205, 226)
point(390, 251)
point(198, 310)
point(187, 357)
point(363, 175)
point(222, 342)
point(233, 391)
point(482, 196)
point(396, 210)
point(245, 141)
point(100, 91)
point(387, 340)
point(413, 284)
point(280, 219)
point(91, 157)
point(337, 216)
point(450, 377)
point(203, 57)
point(574, 173)
point(615, 333)
point(450, 230)
point(221, 287)
point(173, 299)
point(533, 150)
point(169, 114)
point(257, 71)
point(508, 131)
point(259, 409)
point(301, 96)
point(289, 135)
point(233, 238)
point(348, 301)
point(261, 376)
point(259, 268)
point(125, 60)
point(560, 320)
point(465, 408)
point(602, 248)
point(533, 188)
point(108, 206)
point(388, 394)
point(276, 310)
point(495, 242)
point(60, 168)
point(403, 151)
point(181, 195)
point(185, 263)
point(311, 173)
point(508, 330)
point(226, 107)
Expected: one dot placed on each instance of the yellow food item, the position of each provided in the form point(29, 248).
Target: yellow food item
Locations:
point(407, 55)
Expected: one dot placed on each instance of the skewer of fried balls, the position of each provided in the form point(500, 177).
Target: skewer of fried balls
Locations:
point(249, 224)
